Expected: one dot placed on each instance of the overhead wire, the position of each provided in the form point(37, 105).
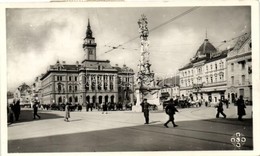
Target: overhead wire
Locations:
point(151, 30)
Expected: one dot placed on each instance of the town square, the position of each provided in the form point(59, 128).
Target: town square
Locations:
point(129, 79)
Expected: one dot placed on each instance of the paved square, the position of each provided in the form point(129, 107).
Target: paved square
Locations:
point(125, 131)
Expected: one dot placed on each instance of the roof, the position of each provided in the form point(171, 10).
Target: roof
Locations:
point(124, 69)
point(187, 66)
point(170, 82)
point(242, 40)
point(206, 48)
point(97, 64)
point(218, 56)
point(58, 67)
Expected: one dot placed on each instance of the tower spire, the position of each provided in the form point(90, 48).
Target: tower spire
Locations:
point(89, 31)
point(206, 33)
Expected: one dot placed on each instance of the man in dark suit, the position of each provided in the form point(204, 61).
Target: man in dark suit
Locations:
point(170, 110)
point(35, 108)
point(220, 109)
point(145, 107)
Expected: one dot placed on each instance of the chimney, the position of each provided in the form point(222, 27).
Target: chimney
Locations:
point(63, 62)
point(77, 63)
point(116, 65)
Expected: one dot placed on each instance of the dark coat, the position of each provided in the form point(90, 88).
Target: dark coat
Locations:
point(145, 106)
point(170, 109)
point(241, 107)
point(220, 106)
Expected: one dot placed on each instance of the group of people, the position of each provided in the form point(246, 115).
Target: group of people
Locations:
point(14, 110)
point(169, 109)
point(240, 108)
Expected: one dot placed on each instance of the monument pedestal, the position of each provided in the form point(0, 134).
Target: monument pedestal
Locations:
point(137, 107)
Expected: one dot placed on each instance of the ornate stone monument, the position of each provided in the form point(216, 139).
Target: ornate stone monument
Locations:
point(145, 87)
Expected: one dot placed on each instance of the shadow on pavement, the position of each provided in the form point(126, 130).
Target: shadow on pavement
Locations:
point(214, 134)
point(27, 116)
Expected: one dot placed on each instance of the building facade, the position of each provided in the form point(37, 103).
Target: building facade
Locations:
point(92, 80)
point(239, 62)
point(170, 88)
point(24, 94)
point(205, 76)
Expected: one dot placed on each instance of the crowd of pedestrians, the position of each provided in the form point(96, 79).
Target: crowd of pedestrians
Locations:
point(14, 109)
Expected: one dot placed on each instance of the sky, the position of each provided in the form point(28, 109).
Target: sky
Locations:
point(37, 38)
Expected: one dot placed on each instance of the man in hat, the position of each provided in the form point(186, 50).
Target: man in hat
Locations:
point(145, 105)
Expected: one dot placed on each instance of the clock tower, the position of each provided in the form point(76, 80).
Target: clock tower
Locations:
point(89, 45)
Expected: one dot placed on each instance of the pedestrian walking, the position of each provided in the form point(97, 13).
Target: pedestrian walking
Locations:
point(220, 109)
point(170, 110)
point(145, 107)
point(241, 108)
point(87, 106)
point(67, 112)
point(104, 108)
point(35, 109)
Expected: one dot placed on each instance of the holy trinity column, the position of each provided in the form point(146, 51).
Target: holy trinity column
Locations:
point(145, 78)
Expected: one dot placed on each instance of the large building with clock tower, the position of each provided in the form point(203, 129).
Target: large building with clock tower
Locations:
point(91, 81)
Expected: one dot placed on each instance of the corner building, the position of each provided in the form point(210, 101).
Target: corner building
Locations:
point(92, 81)
point(239, 62)
point(205, 76)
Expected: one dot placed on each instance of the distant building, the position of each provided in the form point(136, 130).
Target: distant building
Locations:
point(36, 88)
point(239, 67)
point(24, 94)
point(92, 80)
point(205, 76)
point(170, 88)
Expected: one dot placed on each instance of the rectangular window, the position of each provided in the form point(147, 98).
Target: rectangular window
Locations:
point(243, 78)
point(243, 65)
point(232, 80)
point(232, 67)
point(76, 78)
